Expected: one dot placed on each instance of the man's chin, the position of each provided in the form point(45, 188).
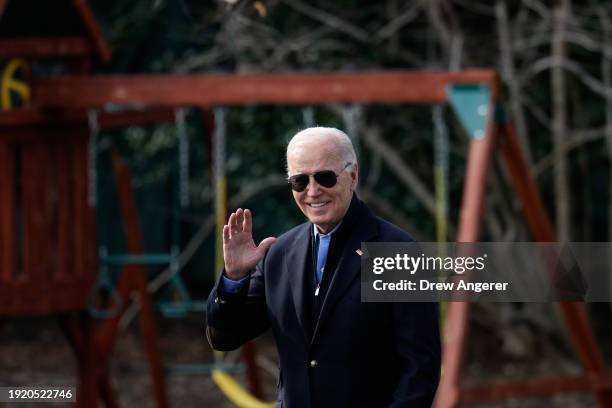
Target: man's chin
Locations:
point(324, 225)
point(316, 215)
point(318, 220)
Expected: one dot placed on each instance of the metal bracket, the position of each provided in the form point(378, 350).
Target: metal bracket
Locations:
point(471, 103)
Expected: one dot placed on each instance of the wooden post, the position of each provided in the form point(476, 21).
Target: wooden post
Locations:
point(542, 230)
point(456, 330)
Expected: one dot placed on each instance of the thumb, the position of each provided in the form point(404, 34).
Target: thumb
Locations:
point(266, 244)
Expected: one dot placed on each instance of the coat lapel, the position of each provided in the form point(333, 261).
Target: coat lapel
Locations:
point(349, 266)
point(295, 269)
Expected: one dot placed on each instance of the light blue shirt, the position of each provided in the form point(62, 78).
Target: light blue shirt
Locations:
point(322, 247)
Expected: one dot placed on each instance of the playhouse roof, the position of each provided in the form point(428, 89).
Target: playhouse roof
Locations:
point(50, 28)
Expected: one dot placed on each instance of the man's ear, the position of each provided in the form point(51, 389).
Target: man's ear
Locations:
point(354, 176)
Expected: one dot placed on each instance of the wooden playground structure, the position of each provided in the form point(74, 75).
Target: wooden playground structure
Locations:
point(48, 251)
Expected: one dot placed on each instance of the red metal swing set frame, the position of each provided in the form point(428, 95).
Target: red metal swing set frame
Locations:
point(51, 134)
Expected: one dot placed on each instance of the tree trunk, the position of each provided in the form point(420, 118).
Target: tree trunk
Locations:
point(559, 118)
point(508, 73)
point(606, 75)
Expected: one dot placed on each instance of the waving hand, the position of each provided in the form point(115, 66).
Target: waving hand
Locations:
point(239, 250)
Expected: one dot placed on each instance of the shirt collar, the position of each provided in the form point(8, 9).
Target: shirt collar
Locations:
point(317, 233)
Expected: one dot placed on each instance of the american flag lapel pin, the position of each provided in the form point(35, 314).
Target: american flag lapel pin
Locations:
point(359, 252)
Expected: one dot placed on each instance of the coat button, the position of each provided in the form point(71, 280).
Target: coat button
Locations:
point(314, 363)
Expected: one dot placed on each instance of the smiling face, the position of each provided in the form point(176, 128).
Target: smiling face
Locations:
point(310, 153)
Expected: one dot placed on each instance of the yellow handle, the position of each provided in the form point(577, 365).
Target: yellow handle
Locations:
point(9, 83)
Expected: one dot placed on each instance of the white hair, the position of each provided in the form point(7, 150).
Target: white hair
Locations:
point(343, 149)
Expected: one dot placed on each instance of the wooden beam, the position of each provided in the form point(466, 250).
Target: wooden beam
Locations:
point(8, 214)
point(28, 135)
point(502, 391)
point(45, 47)
point(275, 89)
point(2, 6)
point(28, 119)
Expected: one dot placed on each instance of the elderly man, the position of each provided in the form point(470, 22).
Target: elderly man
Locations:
point(334, 350)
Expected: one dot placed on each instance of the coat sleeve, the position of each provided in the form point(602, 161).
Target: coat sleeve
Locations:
point(232, 319)
point(417, 341)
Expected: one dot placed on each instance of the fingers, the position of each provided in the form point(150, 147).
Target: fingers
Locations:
point(226, 233)
point(239, 221)
point(231, 222)
point(247, 226)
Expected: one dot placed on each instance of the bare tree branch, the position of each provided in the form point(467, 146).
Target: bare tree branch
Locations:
point(434, 13)
point(398, 22)
point(372, 139)
point(577, 139)
point(509, 76)
point(329, 19)
point(539, 8)
point(387, 211)
point(579, 38)
point(587, 79)
point(475, 7)
point(294, 45)
point(536, 110)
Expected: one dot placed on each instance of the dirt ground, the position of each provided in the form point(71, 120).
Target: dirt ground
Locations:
point(34, 352)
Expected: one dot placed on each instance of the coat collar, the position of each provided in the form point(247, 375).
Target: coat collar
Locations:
point(295, 267)
point(359, 225)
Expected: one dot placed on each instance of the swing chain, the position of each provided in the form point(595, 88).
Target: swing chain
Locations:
point(94, 129)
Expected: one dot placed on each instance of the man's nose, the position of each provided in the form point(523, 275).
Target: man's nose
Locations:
point(313, 188)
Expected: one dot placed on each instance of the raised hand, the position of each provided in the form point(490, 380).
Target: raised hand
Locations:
point(239, 250)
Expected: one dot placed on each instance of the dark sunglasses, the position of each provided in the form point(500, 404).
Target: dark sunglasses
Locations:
point(325, 178)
